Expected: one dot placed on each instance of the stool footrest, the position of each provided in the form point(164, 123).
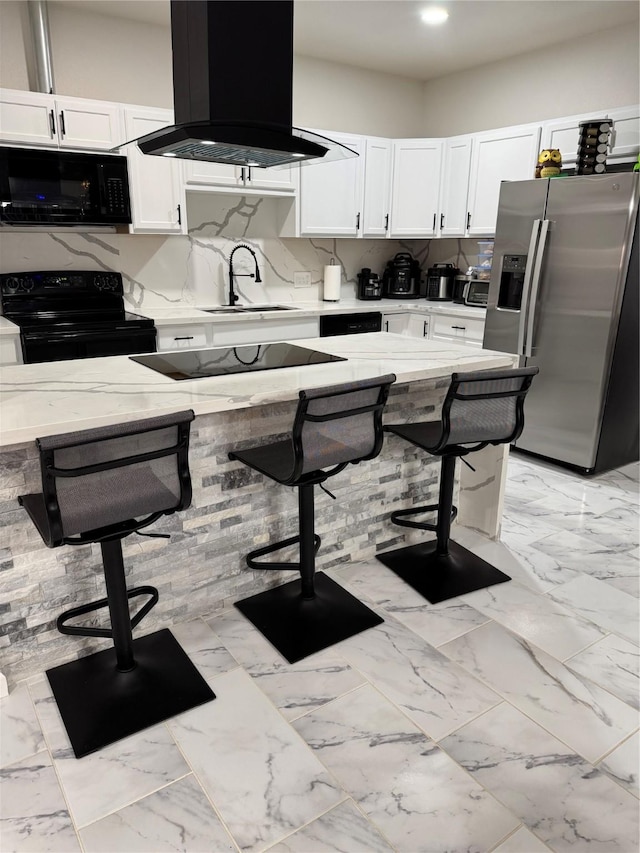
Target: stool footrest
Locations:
point(398, 517)
point(277, 546)
point(81, 631)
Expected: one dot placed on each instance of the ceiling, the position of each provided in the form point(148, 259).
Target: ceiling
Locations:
point(388, 36)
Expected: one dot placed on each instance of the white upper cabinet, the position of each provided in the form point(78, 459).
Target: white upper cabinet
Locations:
point(33, 118)
point(455, 186)
point(626, 133)
point(415, 187)
point(331, 193)
point(199, 174)
point(377, 187)
point(156, 188)
point(509, 154)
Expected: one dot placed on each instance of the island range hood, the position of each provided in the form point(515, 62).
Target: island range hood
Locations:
point(233, 88)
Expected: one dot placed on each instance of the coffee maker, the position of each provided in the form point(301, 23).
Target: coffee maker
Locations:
point(402, 278)
point(369, 285)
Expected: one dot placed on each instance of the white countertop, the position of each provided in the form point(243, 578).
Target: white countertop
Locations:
point(183, 315)
point(7, 327)
point(63, 396)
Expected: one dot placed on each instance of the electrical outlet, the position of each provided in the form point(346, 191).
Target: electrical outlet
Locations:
point(302, 279)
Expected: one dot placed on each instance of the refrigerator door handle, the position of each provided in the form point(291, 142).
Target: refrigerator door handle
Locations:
point(526, 285)
point(535, 285)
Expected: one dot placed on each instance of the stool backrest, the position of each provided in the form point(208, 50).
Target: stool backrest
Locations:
point(485, 406)
point(338, 424)
point(111, 477)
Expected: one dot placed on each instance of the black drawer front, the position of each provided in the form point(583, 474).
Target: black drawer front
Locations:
point(350, 324)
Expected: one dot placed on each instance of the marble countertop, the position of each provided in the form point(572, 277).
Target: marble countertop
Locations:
point(180, 315)
point(62, 396)
point(183, 315)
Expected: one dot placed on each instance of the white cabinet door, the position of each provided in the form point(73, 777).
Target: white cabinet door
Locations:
point(396, 323)
point(509, 154)
point(418, 325)
point(416, 186)
point(377, 187)
point(92, 125)
point(459, 329)
point(34, 118)
point(184, 337)
point(455, 186)
point(157, 194)
point(563, 133)
point(626, 130)
point(27, 118)
point(331, 193)
point(197, 173)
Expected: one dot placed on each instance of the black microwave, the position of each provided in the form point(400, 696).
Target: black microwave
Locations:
point(44, 187)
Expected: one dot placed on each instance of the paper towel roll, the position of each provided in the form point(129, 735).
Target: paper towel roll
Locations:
point(332, 277)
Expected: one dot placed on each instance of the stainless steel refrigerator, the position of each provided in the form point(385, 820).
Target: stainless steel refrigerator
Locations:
point(564, 297)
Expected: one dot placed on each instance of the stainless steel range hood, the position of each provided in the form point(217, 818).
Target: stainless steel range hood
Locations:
point(233, 88)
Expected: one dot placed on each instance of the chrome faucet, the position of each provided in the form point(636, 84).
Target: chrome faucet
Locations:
point(233, 298)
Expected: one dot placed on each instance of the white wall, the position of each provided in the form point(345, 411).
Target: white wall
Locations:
point(113, 59)
point(591, 73)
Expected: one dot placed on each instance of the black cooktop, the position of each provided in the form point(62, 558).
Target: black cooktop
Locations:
point(224, 361)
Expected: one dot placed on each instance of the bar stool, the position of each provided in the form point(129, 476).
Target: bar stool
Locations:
point(100, 485)
point(480, 408)
point(333, 426)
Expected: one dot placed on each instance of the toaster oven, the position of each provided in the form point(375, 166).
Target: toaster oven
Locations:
point(477, 293)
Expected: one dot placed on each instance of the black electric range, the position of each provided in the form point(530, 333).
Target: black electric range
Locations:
point(224, 361)
point(73, 314)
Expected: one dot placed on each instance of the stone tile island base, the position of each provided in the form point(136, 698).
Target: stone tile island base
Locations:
point(202, 568)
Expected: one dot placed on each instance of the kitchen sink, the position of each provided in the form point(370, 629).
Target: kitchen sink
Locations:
point(241, 309)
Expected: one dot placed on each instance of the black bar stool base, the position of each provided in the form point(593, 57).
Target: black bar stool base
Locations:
point(100, 705)
point(298, 627)
point(438, 578)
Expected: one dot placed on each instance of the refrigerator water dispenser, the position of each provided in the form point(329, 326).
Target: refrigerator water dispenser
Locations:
point(512, 281)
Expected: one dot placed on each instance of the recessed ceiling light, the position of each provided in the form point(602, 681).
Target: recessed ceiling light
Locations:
point(434, 15)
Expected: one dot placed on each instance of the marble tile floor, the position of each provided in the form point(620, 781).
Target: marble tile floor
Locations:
point(505, 720)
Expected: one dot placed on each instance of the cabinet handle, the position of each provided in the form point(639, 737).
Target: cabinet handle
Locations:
point(468, 221)
point(52, 119)
point(386, 325)
point(242, 174)
point(179, 215)
point(62, 127)
point(358, 221)
point(249, 178)
point(433, 228)
point(184, 338)
point(441, 220)
point(425, 329)
point(386, 222)
point(462, 328)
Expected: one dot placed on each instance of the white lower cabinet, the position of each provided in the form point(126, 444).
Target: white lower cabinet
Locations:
point(395, 323)
point(249, 332)
point(10, 349)
point(183, 337)
point(418, 325)
point(459, 329)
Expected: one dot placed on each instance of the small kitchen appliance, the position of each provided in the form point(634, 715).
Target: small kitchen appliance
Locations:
point(459, 288)
point(402, 278)
point(440, 279)
point(369, 284)
point(476, 293)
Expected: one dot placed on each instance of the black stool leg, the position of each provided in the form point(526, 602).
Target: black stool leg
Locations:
point(442, 569)
point(118, 604)
point(313, 612)
point(307, 545)
point(115, 693)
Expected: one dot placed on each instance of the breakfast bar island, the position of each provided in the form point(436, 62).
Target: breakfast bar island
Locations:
point(201, 568)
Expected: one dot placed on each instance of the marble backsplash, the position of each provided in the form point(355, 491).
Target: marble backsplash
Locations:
point(166, 270)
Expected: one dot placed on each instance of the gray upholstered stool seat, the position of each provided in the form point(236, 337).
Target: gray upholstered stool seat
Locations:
point(480, 408)
point(333, 427)
point(100, 485)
